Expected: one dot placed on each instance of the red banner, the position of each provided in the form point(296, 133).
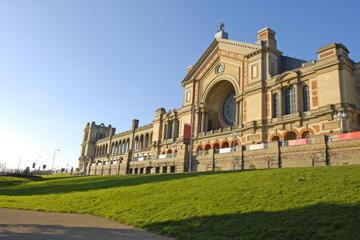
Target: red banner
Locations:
point(187, 133)
point(344, 136)
point(297, 142)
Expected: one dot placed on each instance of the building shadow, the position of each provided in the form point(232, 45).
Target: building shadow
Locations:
point(67, 185)
point(321, 221)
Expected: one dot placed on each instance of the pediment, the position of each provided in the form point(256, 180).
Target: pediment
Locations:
point(222, 48)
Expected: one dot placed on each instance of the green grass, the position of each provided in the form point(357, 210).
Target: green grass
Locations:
point(305, 203)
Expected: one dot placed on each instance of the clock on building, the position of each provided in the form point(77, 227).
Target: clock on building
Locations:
point(220, 68)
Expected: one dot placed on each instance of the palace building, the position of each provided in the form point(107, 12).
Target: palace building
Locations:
point(245, 105)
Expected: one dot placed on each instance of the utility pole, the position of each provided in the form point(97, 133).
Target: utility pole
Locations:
point(52, 166)
point(192, 126)
point(18, 168)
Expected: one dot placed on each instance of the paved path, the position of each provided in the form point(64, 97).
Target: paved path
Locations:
point(31, 225)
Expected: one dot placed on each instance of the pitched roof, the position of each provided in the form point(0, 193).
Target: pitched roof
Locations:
point(225, 44)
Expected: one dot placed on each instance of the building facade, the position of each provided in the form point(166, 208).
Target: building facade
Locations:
point(236, 95)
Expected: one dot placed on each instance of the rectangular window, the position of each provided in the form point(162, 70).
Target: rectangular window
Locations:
point(289, 100)
point(275, 105)
point(254, 71)
point(306, 99)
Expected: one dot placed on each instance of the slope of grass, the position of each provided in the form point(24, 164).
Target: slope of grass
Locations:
point(307, 203)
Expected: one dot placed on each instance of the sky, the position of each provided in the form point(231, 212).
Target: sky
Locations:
point(69, 62)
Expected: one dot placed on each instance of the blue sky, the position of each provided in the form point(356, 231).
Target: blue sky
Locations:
point(65, 63)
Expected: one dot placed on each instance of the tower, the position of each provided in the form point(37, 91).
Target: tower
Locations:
point(92, 133)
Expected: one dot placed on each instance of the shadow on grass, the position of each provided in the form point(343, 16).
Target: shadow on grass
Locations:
point(74, 184)
point(322, 221)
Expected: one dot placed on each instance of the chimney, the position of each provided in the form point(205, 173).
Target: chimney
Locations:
point(266, 36)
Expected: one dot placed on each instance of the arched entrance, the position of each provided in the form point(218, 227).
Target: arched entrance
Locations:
point(220, 107)
point(290, 136)
point(225, 145)
point(305, 134)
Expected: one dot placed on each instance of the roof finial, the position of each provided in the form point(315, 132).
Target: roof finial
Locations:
point(220, 33)
point(221, 27)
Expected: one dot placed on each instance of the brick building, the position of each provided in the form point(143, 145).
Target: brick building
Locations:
point(248, 104)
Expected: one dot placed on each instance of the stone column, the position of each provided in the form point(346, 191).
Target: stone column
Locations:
point(203, 121)
point(296, 87)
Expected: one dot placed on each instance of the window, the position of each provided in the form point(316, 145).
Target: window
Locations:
point(254, 71)
point(275, 105)
point(306, 99)
point(289, 100)
point(169, 129)
point(209, 125)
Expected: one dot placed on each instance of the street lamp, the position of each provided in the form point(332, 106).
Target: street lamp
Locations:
point(340, 116)
point(234, 136)
point(36, 160)
point(52, 166)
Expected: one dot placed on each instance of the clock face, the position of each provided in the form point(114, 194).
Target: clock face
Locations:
point(220, 69)
point(229, 110)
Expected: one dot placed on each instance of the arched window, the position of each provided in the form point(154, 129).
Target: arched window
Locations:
point(141, 143)
point(120, 149)
point(146, 142)
point(290, 136)
point(207, 146)
point(306, 98)
point(289, 100)
point(170, 129)
point(216, 146)
point(275, 105)
point(225, 145)
point(305, 134)
point(234, 143)
point(136, 144)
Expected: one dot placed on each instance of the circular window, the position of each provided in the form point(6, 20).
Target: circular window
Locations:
point(229, 110)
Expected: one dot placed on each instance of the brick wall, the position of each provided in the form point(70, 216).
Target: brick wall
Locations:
point(319, 151)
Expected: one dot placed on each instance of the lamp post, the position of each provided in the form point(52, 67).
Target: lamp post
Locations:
point(19, 162)
point(340, 116)
point(192, 126)
point(52, 166)
point(36, 160)
point(233, 135)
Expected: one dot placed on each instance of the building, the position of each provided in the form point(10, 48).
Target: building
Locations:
point(239, 97)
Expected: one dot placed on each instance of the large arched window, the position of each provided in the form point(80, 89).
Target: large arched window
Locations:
point(275, 105)
point(289, 100)
point(306, 98)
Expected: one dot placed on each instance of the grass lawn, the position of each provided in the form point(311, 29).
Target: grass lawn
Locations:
point(304, 203)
